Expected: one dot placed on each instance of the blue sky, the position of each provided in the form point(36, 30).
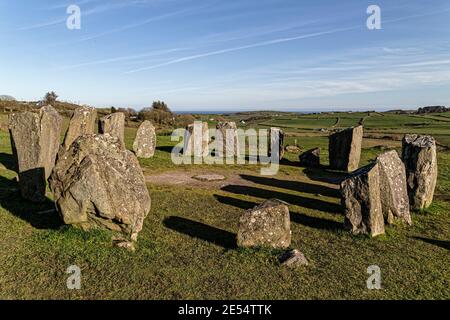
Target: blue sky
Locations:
point(228, 54)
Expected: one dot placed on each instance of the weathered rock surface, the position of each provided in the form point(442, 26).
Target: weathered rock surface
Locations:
point(265, 225)
point(276, 137)
point(419, 157)
point(114, 124)
point(345, 149)
point(361, 199)
point(394, 193)
point(196, 139)
point(81, 123)
point(97, 182)
point(35, 144)
point(310, 158)
point(227, 140)
point(209, 177)
point(293, 258)
point(144, 144)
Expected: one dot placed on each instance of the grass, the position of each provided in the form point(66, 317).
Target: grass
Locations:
point(187, 249)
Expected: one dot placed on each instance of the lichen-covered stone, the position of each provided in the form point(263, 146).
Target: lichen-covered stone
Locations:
point(419, 157)
point(81, 123)
point(196, 139)
point(114, 124)
point(227, 140)
point(97, 182)
point(310, 158)
point(266, 225)
point(344, 149)
point(35, 143)
point(361, 199)
point(394, 193)
point(144, 144)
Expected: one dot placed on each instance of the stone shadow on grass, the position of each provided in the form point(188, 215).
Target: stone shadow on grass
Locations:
point(325, 174)
point(300, 201)
point(440, 243)
point(167, 149)
point(308, 221)
point(202, 231)
point(39, 215)
point(294, 185)
point(8, 161)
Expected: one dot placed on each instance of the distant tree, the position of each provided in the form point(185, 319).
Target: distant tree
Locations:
point(160, 106)
point(113, 110)
point(50, 97)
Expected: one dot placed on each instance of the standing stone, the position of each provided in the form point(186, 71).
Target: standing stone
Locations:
point(419, 157)
point(97, 182)
point(145, 142)
point(274, 135)
point(345, 149)
point(227, 139)
point(394, 193)
point(265, 225)
point(114, 124)
point(361, 199)
point(196, 139)
point(310, 158)
point(81, 123)
point(35, 139)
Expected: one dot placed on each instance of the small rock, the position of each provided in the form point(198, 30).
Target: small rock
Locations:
point(310, 158)
point(293, 258)
point(293, 149)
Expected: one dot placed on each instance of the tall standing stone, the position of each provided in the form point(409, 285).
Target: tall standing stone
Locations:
point(276, 138)
point(227, 139)
point(196, 139)
point(114, 124)
point(345, 149)
point(419, 157)
point(81, 123)
point(266, 225)
point(394, 193)
point(97, 182)
point(144, 144)
point(35, 140)
point(361, 199)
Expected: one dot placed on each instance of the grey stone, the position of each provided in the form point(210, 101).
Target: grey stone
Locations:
point(293, 149)
point(196, 139)
point(144, 144)
point(209, 177)
point(310, 158)
point(420, 159)
point(361, 199)
point(227, 140)
point(394, 193)
point(344, 149)
point(266, 225)
point(293, 258)
point(274, 135)
point(97, 182)
point(35, 141)
point(81, 123)
point(114, 124)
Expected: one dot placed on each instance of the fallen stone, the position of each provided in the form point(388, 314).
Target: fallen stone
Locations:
point(196, 139)
point(310, 158)
point(361, 199)
point(292, 149)
point(81, 123)
point(419, 157)
point(394, 193)
point(114, 124)
point(345, 149)
point(144, 144)
point(227, 140)
point(97, 182)
point(209, 177)
point(293, 258)
point(35, 140)
point(266, 225)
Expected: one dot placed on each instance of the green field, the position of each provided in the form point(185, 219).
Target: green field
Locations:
point(187, 249)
